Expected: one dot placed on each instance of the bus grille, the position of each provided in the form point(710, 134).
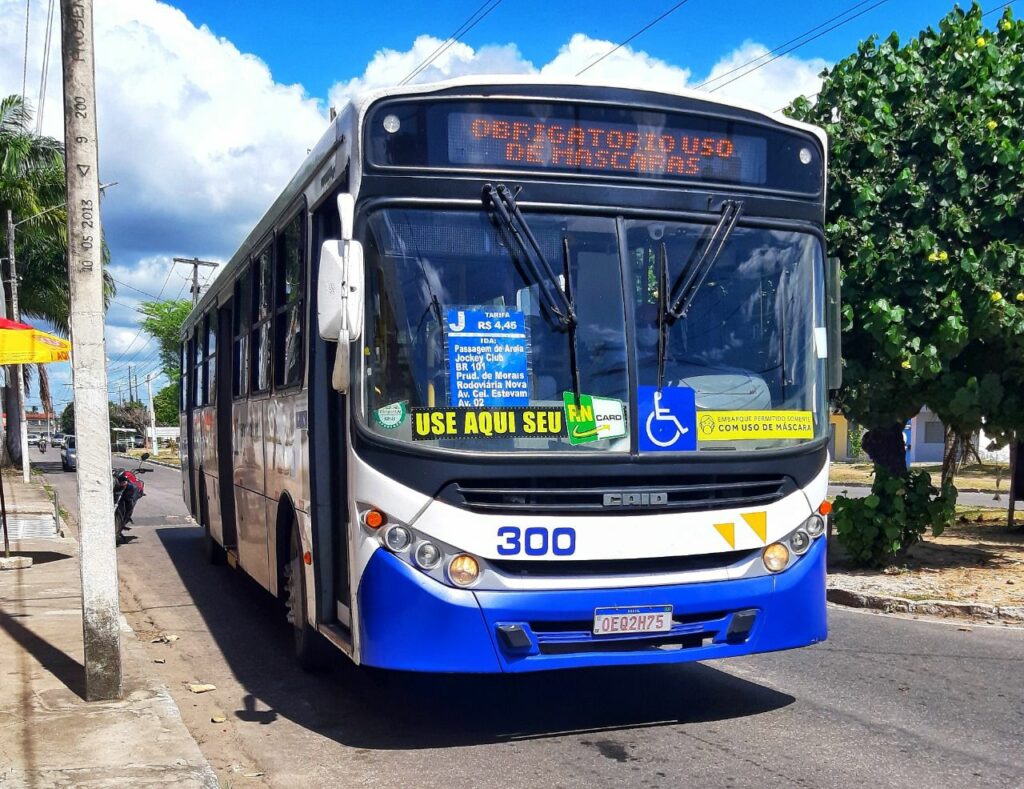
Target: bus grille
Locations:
point(574, 496)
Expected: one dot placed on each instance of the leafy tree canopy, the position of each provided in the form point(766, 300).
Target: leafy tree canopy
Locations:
point(925, 197)
point(165, 405)
point(163, 323)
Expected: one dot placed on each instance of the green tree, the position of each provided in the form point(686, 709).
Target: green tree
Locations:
point(163, 323)
point(925, 189)
point(165, 405)
point(67, 419)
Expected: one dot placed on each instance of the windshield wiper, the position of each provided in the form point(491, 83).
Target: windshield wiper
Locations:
point(504, 207)
point(567, 273)
point(687, 285)
point(558, 301)
point(674, 301)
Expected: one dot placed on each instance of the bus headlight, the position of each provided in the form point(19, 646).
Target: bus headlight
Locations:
point(397, 538)
point(775, 557)
point(463, 570)
point(815, 525)
point(427, 555)
point(799, 541)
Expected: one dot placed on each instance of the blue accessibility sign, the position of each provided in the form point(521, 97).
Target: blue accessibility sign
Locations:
point(668, 419)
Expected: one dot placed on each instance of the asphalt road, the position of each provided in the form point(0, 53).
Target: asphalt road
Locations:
point(884, 702)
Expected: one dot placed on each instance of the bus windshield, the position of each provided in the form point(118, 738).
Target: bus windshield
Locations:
point(463, 351)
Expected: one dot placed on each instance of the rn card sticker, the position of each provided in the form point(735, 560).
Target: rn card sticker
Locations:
point(538, 422)
point(390, 416)
point(488, 358)
point(668, 419)
point(593, 418)
point(749, 425)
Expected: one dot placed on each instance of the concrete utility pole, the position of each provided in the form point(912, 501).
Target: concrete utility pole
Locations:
point(152, 412)
point(195, 263)
point(100, 606)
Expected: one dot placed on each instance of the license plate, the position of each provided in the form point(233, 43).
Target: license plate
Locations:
point(635, 619)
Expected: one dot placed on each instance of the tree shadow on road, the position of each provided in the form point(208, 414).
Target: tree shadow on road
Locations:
point(373, 709)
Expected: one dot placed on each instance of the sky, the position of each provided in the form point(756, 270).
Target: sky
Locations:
point(207, 107)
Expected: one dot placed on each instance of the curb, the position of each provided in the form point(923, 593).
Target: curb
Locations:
point(163, 463)
point(947, 608)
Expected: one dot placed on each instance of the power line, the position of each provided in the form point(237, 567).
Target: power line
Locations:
point(24, 65)
point(709, 80)
point(644, 29)
point(797, 46)
point(46, 68)
point(472, 21)
point(138, 334)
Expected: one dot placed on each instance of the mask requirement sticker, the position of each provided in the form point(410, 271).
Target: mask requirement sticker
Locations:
point(748, 425)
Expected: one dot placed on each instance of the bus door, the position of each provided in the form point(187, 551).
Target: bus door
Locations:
point(327, 450)
point(225, 454)
point(188, 381)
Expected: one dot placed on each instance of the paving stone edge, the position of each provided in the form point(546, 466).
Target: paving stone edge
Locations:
point(947, 608)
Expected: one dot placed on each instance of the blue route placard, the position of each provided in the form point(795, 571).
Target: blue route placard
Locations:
point(488, 357)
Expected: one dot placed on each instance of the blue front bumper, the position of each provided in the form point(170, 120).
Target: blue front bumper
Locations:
point(411, 622)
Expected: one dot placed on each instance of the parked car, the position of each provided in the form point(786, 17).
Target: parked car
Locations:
point(58, 439)
point(33, 439)
point(140, 441)
point(69, 454)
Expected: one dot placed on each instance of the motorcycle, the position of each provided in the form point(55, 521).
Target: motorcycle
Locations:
point(42, 446)
point(128, 489)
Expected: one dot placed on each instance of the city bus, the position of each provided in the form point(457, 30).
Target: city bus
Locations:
point(520, 374)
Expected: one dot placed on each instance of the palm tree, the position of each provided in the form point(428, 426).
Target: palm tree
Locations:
point(32, 187)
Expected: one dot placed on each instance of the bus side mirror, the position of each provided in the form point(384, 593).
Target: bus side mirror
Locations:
point(339, 291)
point(834, 323)
point(340, 302)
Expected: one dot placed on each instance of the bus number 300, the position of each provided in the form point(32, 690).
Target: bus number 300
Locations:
point(536, 541)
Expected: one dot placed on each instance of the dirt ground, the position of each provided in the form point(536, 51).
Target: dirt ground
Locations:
point(977, 560)
point(989, 478)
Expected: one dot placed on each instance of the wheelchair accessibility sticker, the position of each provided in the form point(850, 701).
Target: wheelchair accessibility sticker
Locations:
point(668, 419)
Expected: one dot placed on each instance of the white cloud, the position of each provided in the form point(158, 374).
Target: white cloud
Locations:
point(389, 67)
point(770, 86)
point(748, 74)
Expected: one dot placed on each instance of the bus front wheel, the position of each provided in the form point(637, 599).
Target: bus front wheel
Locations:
point(310, 647)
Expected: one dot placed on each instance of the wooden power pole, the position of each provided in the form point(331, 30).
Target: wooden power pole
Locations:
point(100, 607)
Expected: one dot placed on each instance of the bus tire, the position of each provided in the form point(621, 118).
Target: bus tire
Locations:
point(212, 550)
point(311, 649)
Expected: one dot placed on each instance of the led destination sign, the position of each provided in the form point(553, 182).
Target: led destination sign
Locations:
point(583, 139)
point(605, 147)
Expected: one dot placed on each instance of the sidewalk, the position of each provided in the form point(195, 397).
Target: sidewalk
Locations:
point(49, 735)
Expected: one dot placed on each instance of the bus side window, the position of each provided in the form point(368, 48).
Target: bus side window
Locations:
point(261, 314)
point(240, 335)
point(289, 304)
point(211, 356)
point(196, 364)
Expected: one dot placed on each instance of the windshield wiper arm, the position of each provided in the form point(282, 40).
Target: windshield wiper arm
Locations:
point(687, 285)
point(504, 206)
point(573, 366)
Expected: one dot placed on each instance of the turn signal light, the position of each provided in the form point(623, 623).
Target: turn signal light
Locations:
point(825, 507)
point(374, 519)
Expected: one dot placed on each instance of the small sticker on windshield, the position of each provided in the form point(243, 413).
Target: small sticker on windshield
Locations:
point(750, 425)
point(593, 418)
point(666, 419)
point(390, 416)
